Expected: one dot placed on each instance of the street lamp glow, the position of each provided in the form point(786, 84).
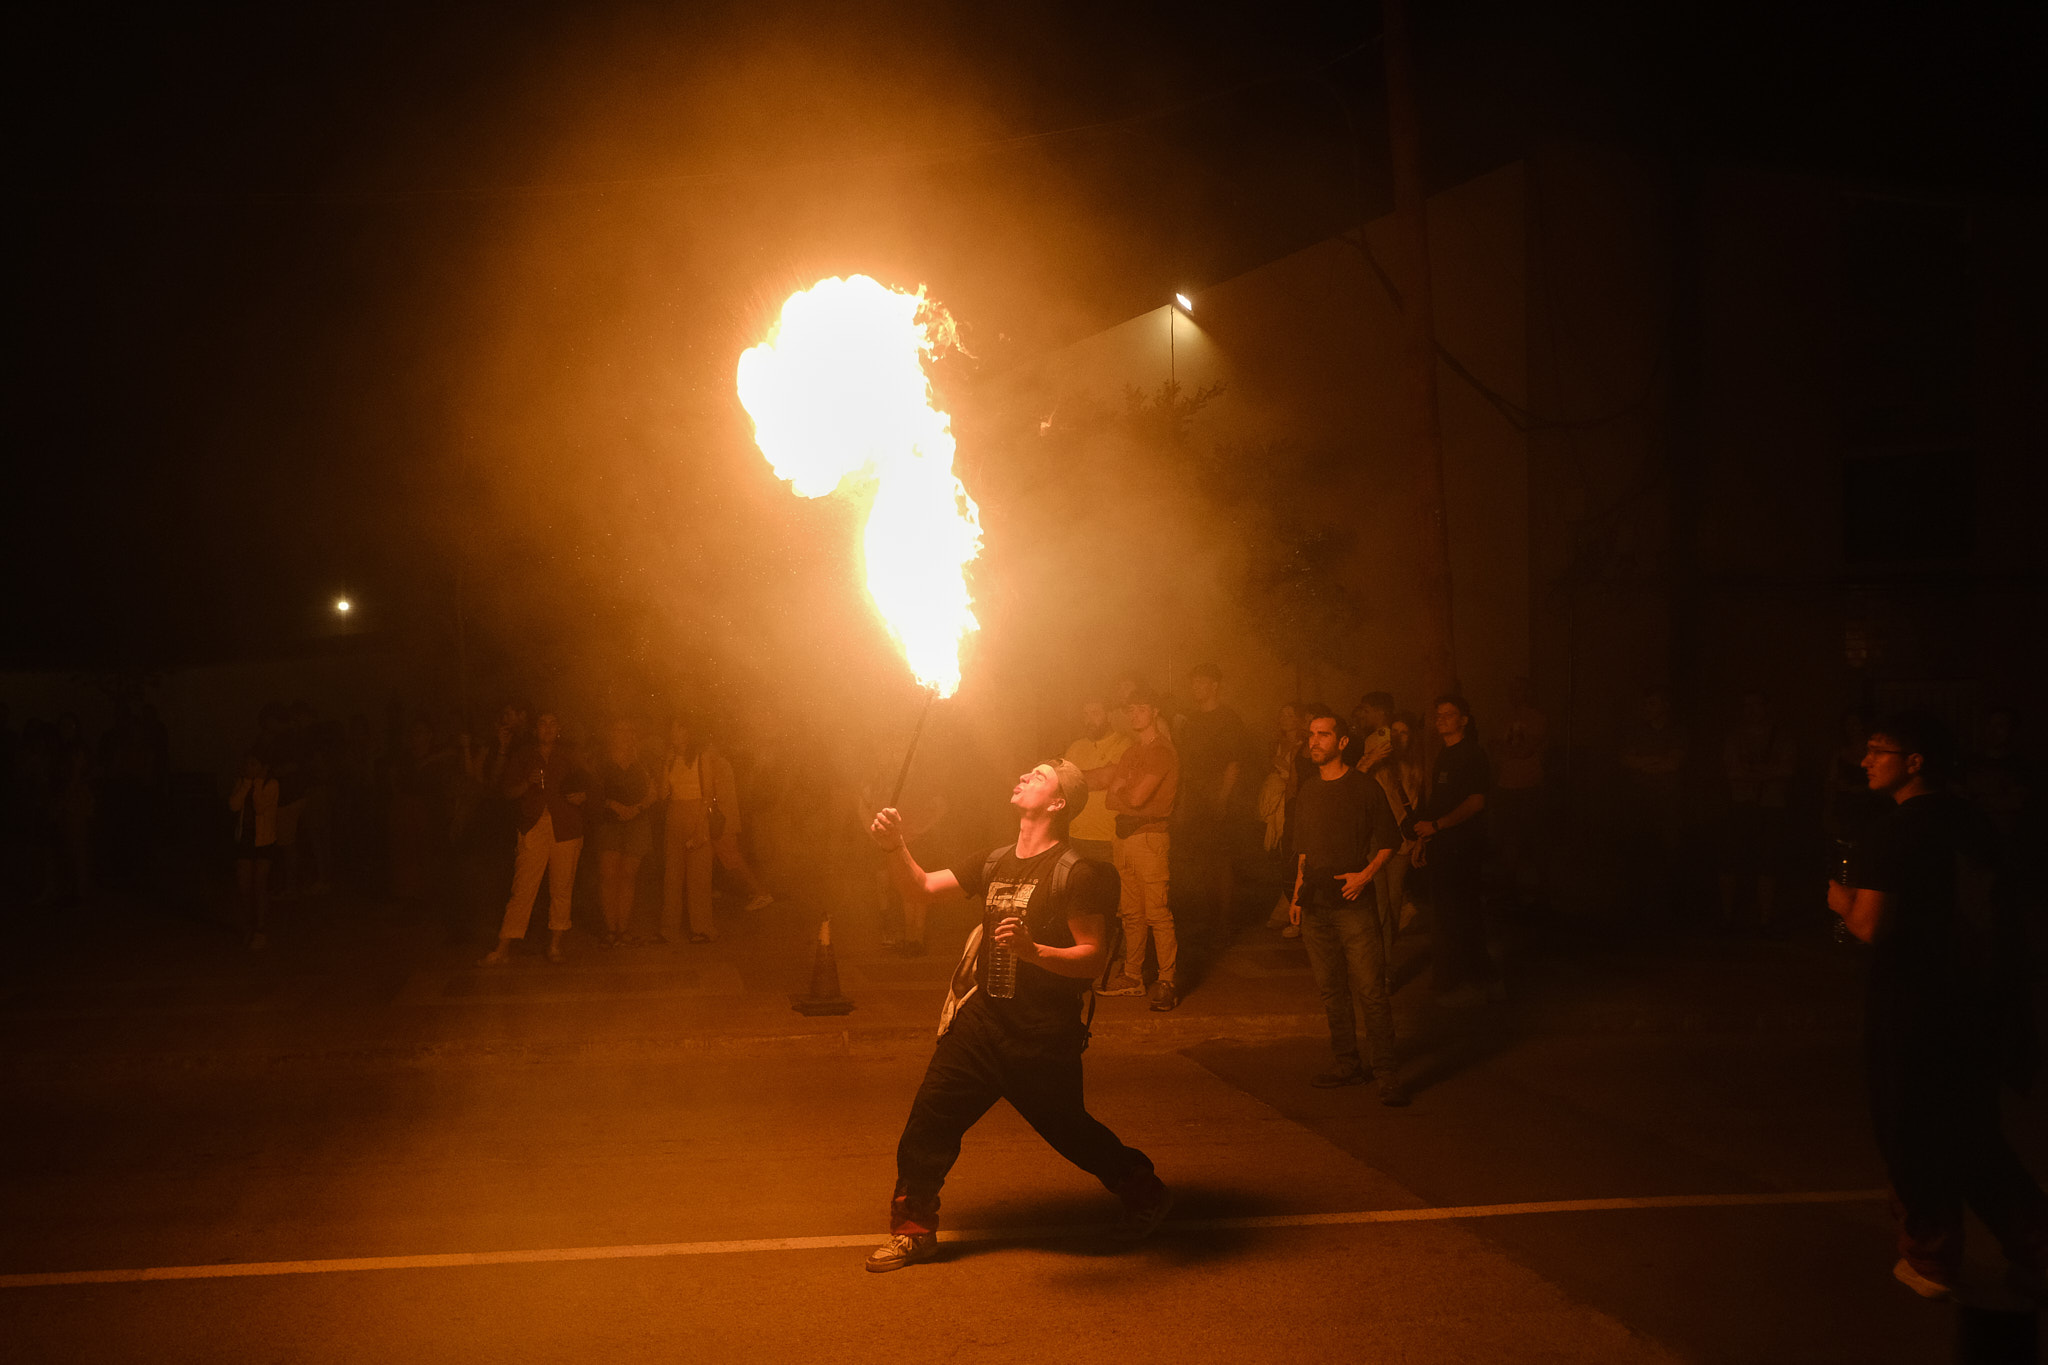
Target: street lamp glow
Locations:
point(1187, 304)
point(343, 606)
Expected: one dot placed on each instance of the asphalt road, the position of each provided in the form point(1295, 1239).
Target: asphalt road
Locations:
point(299, 1162)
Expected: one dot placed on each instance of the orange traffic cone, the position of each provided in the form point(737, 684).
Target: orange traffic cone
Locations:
point(824, 997)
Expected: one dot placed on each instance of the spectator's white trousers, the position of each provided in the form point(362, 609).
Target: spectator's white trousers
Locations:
point(540, 855)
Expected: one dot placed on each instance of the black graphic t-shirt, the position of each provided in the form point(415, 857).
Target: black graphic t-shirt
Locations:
point(1940, 963)
point(1045, 1003)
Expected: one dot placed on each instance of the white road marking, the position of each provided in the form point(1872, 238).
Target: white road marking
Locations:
point(234, 1270)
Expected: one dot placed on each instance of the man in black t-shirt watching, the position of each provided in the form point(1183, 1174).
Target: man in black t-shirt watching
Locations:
point(1451, 825)
point(1946, 1019)
point(1343, 835)
point(1013, 1023)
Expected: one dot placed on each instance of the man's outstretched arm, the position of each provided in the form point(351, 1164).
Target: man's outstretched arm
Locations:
point(913, 881)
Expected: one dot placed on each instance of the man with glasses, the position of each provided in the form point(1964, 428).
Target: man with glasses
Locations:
point(1947, 1020)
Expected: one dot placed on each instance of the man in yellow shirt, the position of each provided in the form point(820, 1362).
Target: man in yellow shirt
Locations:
point(1095, 753)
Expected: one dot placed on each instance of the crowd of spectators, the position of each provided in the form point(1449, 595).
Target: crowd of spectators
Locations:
point(480, 826)
point(478, 822)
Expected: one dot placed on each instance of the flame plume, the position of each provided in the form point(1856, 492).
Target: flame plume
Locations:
point(838, 393)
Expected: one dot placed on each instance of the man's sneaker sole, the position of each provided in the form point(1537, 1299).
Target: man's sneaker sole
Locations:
point(1124, 987)
point(1904, 1273)
point(1334, 1080)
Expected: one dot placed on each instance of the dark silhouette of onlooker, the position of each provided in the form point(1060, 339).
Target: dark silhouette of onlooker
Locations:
point(419, 778)
point(1450, 827)
point(484, 829)
point(1212, 742)
point(1758, 762)
point(697, 783)
point(1517, 803)
point(622, 827)
point(1947, 1020)
point(254, 802)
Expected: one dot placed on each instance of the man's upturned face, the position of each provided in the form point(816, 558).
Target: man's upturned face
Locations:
point(1094, 719)
point(1373, 717)
point(1143, 714)
point(1450, 721)
point(1037, 791)
point(1887, 765)
point(1204, 688)
point(547, 729)
point(1324, 743)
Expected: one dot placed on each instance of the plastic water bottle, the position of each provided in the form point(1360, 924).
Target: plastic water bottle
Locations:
point(1002, 963)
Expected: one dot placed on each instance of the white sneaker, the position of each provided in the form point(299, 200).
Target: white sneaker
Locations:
point(760, 902)
point(902, 1249)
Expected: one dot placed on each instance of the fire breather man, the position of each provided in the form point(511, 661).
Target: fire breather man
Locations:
point(1015, 1019)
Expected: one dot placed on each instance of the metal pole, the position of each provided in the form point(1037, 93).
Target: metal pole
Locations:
point(931, 694)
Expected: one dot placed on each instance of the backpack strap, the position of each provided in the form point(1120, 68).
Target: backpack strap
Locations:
point(1062, 870)
point(988, 867)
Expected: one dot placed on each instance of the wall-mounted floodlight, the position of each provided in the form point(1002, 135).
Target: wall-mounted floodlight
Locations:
point(1187, 304)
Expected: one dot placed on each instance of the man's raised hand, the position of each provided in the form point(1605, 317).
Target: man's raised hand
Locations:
point(887, 829)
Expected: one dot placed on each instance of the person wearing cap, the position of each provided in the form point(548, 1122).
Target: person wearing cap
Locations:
point(1015, 1019)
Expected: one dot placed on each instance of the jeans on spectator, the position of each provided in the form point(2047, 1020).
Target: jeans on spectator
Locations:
point(1348, 956)
point(1141, 863)
point(541, 855)
point(980, 1061)
point(1458, 941)
point(1935, 1112)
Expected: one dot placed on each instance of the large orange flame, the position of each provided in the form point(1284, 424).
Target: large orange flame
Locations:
point(838, 393)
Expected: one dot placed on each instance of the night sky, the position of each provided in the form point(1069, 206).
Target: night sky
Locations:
point(321, 300)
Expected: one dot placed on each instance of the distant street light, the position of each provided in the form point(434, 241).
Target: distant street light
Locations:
point(1187, 305)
